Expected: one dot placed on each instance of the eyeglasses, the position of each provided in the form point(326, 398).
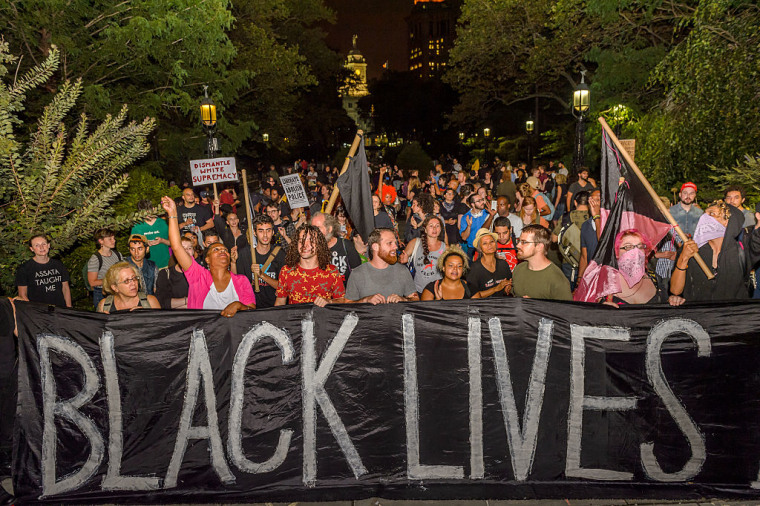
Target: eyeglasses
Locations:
point(629, 247)
point(129, 280)
point(523, 241)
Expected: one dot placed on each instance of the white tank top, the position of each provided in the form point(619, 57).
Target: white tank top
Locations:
point(426, 273)
point(220, 300)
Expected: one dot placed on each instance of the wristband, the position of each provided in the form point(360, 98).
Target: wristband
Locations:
point(172, 217)
point(678, 268)
point(596, 217)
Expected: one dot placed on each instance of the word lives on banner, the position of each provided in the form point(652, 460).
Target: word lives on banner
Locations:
point(505, 398)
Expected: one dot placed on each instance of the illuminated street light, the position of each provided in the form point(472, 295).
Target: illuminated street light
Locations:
point(208, 120)
point(581, 105)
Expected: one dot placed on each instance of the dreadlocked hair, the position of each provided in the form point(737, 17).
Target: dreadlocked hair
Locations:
point(424, 236)
point(318, 242)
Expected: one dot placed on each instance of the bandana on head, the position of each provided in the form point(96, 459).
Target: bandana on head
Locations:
point(632, 266)
point(708, 228)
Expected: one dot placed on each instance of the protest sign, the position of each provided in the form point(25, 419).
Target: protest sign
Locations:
point(294, 190)
point(213, 170)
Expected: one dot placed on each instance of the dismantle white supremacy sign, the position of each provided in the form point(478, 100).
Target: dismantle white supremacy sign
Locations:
point(213, 170)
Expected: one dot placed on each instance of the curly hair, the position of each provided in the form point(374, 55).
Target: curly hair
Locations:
point(424, 236)
point(454, 249)
point(722, 206)
point(318, 242)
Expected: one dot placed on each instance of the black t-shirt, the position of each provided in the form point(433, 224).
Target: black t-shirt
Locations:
point(467, 290)
point(44, 282)
point(345, 258)
point(267, 295)
point(479, 278)
point(452, 231)
point(198, 214)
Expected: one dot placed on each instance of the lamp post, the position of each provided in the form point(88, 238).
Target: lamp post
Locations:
point(486, 136)
point(581, 105)
point(529, 125)
point(208, 120)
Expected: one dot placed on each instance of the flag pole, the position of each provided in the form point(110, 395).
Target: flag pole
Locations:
point(653, 194)
point(249, 215)
point(351, 153)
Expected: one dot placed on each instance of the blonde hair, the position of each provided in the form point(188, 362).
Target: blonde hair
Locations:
point(112, 276)
point(560, 179)
point(722, 206)
point(454, 249)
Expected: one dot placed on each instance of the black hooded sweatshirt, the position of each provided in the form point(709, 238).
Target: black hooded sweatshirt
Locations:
point(736, 256)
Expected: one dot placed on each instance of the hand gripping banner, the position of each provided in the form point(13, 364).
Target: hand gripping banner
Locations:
point(493, 399)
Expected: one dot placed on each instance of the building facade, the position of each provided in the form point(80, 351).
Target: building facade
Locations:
point(355, 86)
point(432, 29)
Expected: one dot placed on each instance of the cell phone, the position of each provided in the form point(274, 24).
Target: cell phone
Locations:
point(493, 205)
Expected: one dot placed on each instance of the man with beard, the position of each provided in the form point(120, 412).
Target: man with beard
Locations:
point(308, 276)
point(502, 211)
point(381, 280)
point(343, 254)
point(686, 212)
point(583, 183)
point(537, 277)
point(195, 217)
point(472, 221)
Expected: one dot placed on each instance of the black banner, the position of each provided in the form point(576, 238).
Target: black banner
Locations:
point(502, 399)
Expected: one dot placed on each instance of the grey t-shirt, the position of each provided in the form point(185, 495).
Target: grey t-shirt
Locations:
point(92, 263)
point(367, 280)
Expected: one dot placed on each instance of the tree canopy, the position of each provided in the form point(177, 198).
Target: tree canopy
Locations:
point(686, 69)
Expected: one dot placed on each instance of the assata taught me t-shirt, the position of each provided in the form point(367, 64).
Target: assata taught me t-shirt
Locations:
point(43, 282)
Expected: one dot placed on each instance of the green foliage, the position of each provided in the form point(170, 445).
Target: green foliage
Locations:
point(155, 55)
point(61, 182)
point(712, 82)
point(414, 157)
point(745, 174)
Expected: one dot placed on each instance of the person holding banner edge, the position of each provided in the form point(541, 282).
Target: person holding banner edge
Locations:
point(217, 287)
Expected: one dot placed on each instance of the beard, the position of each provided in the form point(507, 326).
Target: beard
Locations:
point(388, 257)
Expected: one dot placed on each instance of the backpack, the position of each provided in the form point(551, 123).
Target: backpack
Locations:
point(549, 204)
point(100, 264)
point(569, 242)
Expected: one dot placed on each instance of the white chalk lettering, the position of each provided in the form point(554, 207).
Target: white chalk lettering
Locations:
point(522, 442)
point(656, 376)
point(314, 379)
point(579, 401)
point(113, 479)
point(235, 437)
point(68, 409)
point(198, 368)
point(415, 470)
point(476, 398)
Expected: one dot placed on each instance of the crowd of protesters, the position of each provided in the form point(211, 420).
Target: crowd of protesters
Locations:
point(497, 231)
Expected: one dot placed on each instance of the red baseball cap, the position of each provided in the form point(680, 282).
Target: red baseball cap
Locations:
point(689, 185)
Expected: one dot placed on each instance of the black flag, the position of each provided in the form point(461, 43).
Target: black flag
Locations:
point(356, 192)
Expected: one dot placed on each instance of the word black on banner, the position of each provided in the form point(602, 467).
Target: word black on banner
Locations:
point(503, 399)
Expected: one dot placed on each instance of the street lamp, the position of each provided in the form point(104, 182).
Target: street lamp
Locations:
point(529, 126)
point(581, 105)
point(461, 136)
point(486, 135)
point(265, 137)
point(208, 120)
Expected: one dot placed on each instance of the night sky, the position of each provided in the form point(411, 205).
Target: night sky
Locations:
point(381, 29)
